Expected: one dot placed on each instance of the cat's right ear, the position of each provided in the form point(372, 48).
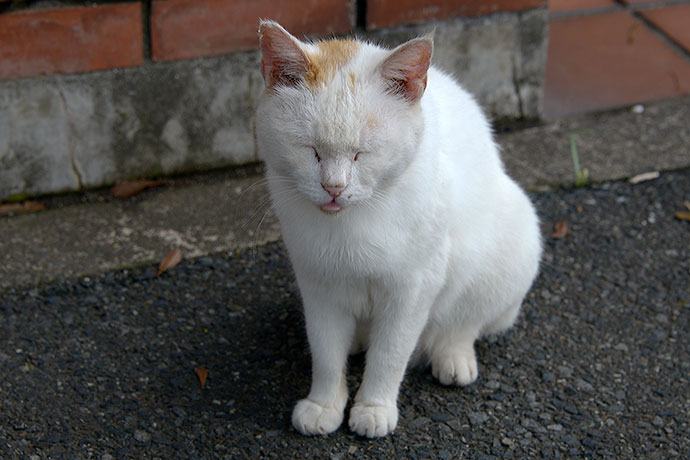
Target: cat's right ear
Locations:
point(405, 70)
point(282, 60)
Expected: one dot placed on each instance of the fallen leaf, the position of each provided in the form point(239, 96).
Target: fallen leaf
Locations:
point(644, 177)
point(686, 203)
point(170, 261)
point(560, 230)
point(20, 208)
point(124, 190)
point(683, 215)
point(201, 374)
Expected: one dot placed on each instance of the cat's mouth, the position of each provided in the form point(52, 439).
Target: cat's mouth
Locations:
point(331, 207)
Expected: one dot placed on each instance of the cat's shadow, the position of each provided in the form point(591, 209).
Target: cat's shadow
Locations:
point(267, 377)
point(264, 367)
point(266, 370)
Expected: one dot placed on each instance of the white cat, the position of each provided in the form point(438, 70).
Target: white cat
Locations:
point(406, 236)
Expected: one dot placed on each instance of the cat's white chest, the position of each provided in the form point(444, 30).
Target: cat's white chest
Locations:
point(335, 251)
point(362, 245)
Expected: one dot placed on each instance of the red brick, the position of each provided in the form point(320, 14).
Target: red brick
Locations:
point(389, 13)
point(608, 60)
point(633, 2)
point(70, 40)
point(182, 29)
point(674, 21)
point(576, 5)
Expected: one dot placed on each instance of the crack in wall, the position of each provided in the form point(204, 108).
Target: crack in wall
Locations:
point(516, 86)
point(74, 165)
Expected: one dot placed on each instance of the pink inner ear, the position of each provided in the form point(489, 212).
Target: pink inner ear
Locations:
point(406, 69)
point(282, 60)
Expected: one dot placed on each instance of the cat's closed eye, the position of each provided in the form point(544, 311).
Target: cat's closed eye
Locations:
point(318, 157)
point(316, 154)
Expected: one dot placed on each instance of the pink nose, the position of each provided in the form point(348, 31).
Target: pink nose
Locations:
point(333, 190)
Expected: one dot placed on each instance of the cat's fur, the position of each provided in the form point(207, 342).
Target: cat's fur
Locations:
point(406, 236)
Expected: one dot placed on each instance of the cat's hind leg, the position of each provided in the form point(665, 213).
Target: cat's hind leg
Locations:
point(504, 321)
point(451, 347)
point(453, 361)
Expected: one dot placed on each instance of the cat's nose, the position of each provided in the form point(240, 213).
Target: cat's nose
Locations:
point(333, 190)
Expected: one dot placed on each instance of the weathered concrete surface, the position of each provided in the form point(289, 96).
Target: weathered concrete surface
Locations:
point(99, 235)
point(65, 133)
point(610, 145)
point(224, 210)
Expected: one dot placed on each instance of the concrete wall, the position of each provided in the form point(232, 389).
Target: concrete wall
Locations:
point(155, 111)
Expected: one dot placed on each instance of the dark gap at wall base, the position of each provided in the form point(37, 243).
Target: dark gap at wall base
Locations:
point(361, 14)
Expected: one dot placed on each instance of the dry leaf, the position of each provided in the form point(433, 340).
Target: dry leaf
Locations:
point(560, 230)
point(170, 261)
point(124, 190)
point(201, 374)
point(20, 208)
point(683, 215)
point(644, 177)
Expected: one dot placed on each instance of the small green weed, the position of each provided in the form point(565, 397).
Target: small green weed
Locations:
point(17, 198)
point(581, 175)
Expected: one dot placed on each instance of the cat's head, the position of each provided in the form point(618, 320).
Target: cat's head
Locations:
point(340, 120)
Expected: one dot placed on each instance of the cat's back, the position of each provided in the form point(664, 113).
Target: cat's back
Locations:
point(445, 87)
point(456, 126)
point(452, 107)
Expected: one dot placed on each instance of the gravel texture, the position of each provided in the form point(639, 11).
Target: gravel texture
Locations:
point(598, 365)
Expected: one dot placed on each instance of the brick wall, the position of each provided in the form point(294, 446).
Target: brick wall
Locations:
point(85, 36)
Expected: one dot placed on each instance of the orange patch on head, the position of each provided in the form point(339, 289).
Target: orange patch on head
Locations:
point(352, 80)
point(330, 56)
point(372, 122)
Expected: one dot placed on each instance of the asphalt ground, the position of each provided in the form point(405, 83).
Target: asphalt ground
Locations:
point(102, 366)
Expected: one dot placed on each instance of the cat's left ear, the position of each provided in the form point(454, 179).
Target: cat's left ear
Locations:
point(405, 70)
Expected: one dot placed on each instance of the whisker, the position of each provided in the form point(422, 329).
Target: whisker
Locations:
point(380, 199)
point(261, 182)
point(291, 194)
point(267, 179)
point(261, 206)
point(266, 206)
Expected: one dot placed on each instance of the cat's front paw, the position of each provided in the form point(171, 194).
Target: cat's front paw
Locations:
point(373, 421)
point(309, 417)
point(455, 369)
